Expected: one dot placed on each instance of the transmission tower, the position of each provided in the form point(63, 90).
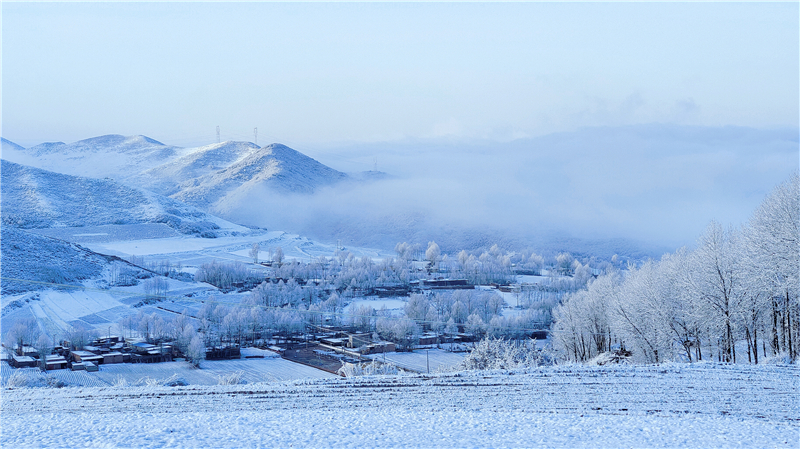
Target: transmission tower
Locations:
point(255, 134)
point(217, 133)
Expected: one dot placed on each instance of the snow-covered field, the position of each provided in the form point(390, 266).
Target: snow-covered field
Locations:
point(421, 360)
point(700, 405)
point(269, 369)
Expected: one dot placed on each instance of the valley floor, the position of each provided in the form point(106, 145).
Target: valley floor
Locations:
point(700, 405)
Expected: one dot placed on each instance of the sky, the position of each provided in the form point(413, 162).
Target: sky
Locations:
point(314, 75)
point(598, 120)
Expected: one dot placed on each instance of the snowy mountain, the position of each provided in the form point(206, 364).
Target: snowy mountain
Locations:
point(203, 176)
point(10, 146)
point(34, 198)
point(275, 167)
point(171, 177)
point(113, 156)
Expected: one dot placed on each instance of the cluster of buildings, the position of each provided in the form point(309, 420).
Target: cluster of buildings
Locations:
point(103, 351)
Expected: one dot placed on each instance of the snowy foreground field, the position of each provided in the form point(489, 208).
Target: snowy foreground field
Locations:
point(701, 405)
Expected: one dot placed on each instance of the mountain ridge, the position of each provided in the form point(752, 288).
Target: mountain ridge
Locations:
point(36, 198)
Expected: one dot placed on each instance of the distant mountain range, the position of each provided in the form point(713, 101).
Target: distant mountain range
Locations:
point(202, 176)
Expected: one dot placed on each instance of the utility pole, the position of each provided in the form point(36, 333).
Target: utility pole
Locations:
point(217, 133)
point(255, 134)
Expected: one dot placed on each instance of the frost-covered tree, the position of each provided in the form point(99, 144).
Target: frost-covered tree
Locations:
point(773, 240)
point(24, 332)
point(196, 351)
point(432, 254)
point(717, 281)
point(254, 250)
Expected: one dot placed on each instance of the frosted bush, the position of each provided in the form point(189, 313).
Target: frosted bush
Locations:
point(231, 379)
point(492, 353)
point(30, 379)
point(612, 357)
point(174, 381)
point(148, 382)
point(368, 369)
point(779, 359)
point(18, 379)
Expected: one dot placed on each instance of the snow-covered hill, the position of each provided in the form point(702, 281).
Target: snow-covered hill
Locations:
point(275, 167)
point(169, 178)
point(110, 156)
point(214, 177)
point(41, 261)
point(34, 198)
point(10, 146)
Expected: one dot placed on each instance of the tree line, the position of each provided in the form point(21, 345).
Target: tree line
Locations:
point(732, 298)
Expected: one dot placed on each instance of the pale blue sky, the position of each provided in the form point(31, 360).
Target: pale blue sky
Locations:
point(459, 101)
point(316, 75)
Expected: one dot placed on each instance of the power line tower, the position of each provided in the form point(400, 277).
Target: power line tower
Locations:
point(217, 133)
point(255, 134)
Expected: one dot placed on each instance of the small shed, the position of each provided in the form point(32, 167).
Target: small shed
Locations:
point(55, 361)
point(112, 357)
point(143, 348)
point(22, 361)
point(85, 366)
point(428, 339)
point(86, 356)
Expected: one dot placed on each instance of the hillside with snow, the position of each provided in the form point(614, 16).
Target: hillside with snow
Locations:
point(170, 177)
point(35, 198)
point(276, 168)
point(109, 156)
point(41, 261)
point(202, 176)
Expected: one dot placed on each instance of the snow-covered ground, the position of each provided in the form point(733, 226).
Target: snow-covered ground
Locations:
point(701, 405)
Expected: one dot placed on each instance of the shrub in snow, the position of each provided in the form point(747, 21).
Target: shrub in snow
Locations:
point(779, 359)
point(32, 379)
point(174, 381)
point(492, 353)
point(148, 382)
point(236, 378)
point(121, 382)
point(612, 357)
point(368, 369)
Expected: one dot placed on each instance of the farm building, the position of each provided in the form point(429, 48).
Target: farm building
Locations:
point(112, 357)
point(23, 361)
point(85, 366)
point(86, 356)
point(55, 361)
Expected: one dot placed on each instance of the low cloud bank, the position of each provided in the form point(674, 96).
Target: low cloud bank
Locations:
point(637, 188)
